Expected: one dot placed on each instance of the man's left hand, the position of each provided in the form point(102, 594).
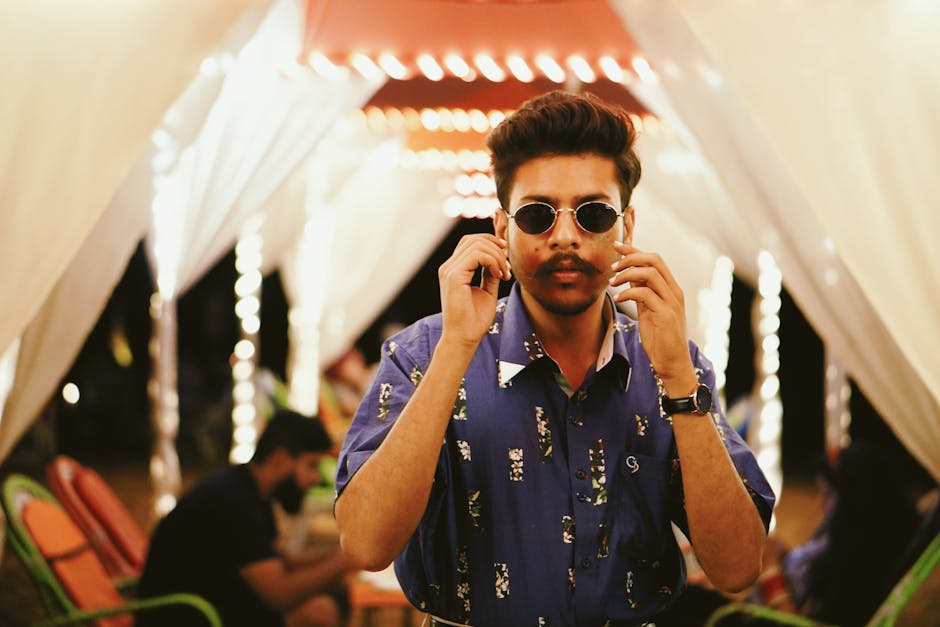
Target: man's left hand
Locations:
point(660, 307)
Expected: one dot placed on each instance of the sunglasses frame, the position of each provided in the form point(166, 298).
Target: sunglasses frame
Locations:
point(555, 212)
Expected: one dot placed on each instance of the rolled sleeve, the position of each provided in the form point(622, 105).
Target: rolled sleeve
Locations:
point(394, 383)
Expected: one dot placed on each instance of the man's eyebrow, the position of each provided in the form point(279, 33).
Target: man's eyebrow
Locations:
point(583, 198)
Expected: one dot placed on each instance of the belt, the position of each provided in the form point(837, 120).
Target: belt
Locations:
point(434, 621)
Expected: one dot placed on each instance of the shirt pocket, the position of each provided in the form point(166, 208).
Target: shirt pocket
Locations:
point(640, 529)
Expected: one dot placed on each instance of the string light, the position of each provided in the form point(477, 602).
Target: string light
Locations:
point(519, 68)
point(642, 68)
point(838, 416)
point(550, 68)
point(322, 65)
point(440, 119)
point(611, 68)
point(769, 417)
point(581, 69)
point(716, 303)
point(245, 412)
point(430, 67)
point(367, 67)
point(489, 68)
point(523, 69)
point(392, 66)
point(458, 67)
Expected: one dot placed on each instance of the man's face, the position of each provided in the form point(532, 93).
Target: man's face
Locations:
point(305, 472)
point(565, 269)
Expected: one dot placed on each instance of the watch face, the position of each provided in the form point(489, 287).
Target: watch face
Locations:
point(703, 399)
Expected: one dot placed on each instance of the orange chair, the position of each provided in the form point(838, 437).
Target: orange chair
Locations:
point(368, 598)
point(102, 516)
point(73, 585)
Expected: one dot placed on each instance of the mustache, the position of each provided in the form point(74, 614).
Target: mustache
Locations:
point(565, 261)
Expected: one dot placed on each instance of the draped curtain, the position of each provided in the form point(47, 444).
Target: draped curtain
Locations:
point(383, 221)
point(819, 124)
point(83, 86)
point(269, 115)
point(63, 247)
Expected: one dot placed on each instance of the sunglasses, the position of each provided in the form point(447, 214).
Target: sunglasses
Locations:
point(537, 217)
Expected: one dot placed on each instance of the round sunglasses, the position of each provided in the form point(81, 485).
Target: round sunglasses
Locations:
point(537, 217)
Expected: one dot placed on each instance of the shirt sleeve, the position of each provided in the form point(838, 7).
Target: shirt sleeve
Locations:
point(395, 380)
point(741, 455)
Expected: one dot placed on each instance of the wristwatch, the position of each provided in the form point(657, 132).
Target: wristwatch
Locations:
point(699, 402)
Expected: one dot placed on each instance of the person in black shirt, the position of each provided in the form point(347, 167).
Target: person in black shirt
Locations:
point(220, 541)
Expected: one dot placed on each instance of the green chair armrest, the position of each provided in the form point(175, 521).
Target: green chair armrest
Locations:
point(759, 611)
point(132, 607)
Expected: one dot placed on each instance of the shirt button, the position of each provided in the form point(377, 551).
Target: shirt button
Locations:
point(580, 474)
point(584, 498)
point(576, 421)
point(585, 563)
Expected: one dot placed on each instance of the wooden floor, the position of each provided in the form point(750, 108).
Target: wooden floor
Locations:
point(798, 513)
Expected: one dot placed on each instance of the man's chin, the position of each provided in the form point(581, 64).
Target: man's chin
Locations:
point(573, 306)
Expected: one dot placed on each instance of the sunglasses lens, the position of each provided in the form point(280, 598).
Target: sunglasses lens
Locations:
point(534, 218)
point(596, 217)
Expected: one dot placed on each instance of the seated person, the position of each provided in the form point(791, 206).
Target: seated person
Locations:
point(220, 541)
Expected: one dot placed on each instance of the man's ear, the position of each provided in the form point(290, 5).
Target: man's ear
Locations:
point(629, 221)
point(501, 224)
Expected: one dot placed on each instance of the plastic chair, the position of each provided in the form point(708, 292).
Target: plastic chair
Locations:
point(73, 585)
point(885, 616)
point(115, 536)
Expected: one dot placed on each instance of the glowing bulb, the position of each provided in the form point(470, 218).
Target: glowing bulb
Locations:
point(550, 68)
point(458, 67)
point(70, 393)
point(367, 67)
point(581, 69)
point(612, 69)
point(430, 120)
point(642, 68)
point(489, 68)
point(392, 66)
point(430, 67)
point(323, 66)
point(520, 69)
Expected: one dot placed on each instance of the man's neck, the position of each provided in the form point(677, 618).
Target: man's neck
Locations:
point(573, 341)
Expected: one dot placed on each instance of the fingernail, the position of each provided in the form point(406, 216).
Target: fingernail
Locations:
point(618, 243)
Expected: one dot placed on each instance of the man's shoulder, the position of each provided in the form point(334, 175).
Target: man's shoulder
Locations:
point(417, 339)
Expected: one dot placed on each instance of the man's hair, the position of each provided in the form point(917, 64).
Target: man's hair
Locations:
point(563, 123)
point(293, 432)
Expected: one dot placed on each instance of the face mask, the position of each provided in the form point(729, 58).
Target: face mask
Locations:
point(289, 495)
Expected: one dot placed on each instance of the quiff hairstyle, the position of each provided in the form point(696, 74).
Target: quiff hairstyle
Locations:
point(563, 123)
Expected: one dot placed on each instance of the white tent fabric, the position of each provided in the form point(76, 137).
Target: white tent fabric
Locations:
point(83, 86)
point(387, 220)
point(798, 183)
point(56, 334)
point(7, 370)
point(269, 115)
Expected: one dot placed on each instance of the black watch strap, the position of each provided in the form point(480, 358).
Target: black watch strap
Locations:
point(699, 402)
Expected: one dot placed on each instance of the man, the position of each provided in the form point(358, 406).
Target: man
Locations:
point(577, 435)
point(220, 540)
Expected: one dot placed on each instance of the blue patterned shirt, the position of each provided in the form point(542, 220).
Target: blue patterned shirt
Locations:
point(549, 506)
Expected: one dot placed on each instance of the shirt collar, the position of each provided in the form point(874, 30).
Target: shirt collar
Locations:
point(519, 344)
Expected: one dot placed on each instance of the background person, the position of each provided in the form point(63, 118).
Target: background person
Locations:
point(220, 541)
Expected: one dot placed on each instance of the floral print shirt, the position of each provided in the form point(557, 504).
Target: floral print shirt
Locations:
point(550, 506)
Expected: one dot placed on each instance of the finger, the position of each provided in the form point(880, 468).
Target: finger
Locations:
point(645, 298)
point(461, 267)
point(633, 256)
point(649, 277)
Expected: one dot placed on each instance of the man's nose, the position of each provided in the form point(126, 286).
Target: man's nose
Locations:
point(565, 232)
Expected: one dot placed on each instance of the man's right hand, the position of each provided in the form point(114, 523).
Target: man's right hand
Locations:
point(468, 310)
